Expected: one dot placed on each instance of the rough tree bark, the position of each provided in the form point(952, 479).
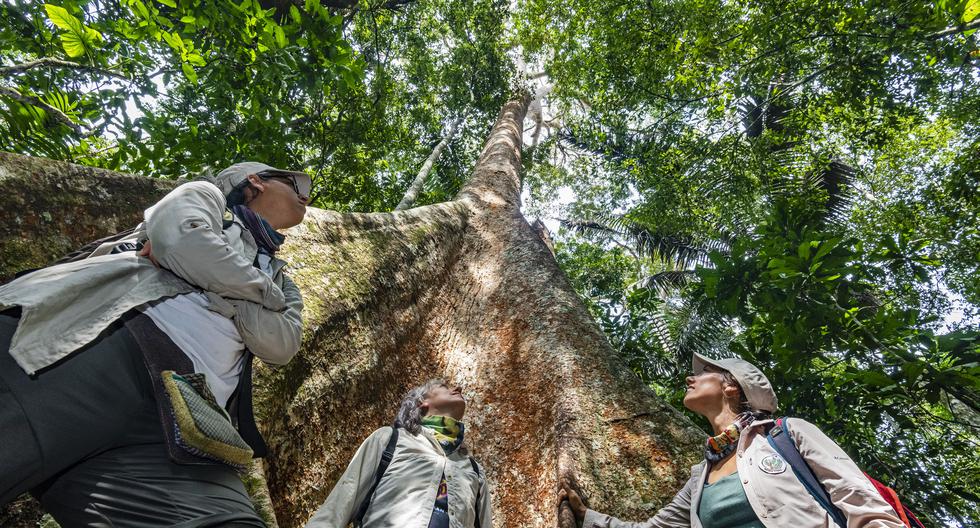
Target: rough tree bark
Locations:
point(415, 188)
point(465, 290)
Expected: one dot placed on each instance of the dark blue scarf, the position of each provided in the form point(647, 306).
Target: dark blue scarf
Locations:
point(267, 238)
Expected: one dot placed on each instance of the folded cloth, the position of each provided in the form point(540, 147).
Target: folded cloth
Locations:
point(202, 426)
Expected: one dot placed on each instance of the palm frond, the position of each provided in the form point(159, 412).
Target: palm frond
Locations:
point(660, 329)
point(765, 113)
point(702, 329)
point(678, 250)
point(794, 174)
point(679, 328)
point(666, 281)
point(837, 180)
point(586, 141)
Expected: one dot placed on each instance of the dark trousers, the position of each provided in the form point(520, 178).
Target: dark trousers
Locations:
point(85, 438)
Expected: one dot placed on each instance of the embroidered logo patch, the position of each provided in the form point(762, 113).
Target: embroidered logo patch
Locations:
point(772, 464)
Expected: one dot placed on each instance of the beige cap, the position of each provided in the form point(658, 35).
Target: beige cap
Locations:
point(234, 175)
point(755, 385)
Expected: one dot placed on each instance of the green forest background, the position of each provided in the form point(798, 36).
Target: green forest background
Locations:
point(792, 182)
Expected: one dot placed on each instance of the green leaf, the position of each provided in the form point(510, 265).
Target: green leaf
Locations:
point(74, 46)
point(189, 72)
point(280, 36)
point(803, 250)
point(294, 14)
point(188, 19)
point(826, 247)
point(971, 11)
point(168, 3)
point(174, 40)
point(710, 281)
point(61, 18)
point(913, 371)
point(78, 39)
point(776, 263)
point(196, 59)
point(141, 9)
point(92, 36)
point(878, 379)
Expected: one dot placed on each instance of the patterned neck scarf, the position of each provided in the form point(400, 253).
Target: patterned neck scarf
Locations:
point(267, 238)
point(722, 445)
point(448, 431)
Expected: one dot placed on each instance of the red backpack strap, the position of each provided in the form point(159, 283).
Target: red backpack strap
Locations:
point(891, 497)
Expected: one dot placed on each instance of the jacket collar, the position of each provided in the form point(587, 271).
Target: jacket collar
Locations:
point(744, 437)
point(431, 437)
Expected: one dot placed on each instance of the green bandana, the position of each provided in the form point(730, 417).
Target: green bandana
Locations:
point(447, 431)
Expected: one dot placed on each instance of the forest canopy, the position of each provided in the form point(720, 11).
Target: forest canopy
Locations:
point(791, 182)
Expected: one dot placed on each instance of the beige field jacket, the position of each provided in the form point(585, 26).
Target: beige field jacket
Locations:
point(67, 306)
point(775, 494)
point(407, 493)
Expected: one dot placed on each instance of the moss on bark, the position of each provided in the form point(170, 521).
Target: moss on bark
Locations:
point(49, 208)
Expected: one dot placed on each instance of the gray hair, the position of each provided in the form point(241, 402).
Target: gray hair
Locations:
point(409, 415)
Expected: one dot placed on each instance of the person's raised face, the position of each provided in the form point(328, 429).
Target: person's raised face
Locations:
point(276, 199)
point(443, 400)
point(707, 390)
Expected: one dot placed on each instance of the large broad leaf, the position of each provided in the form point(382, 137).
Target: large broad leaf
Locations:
point(61, 18)
point(78, 38)
point(971, 11)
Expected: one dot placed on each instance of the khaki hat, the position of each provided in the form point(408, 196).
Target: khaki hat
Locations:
point(231, 177)
point(756, 387)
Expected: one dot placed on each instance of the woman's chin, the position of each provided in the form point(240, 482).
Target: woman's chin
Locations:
point(688, 402)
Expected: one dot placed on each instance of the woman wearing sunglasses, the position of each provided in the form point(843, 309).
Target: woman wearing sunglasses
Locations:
point(125, 376)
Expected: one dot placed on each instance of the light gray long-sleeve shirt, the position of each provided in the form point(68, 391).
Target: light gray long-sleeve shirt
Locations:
point(66, 306)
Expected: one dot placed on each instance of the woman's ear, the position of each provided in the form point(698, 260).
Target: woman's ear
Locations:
point(256, 186)
point(732, 392)
point(257, 183)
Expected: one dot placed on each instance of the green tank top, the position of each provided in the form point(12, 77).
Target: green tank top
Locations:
point(724, 505)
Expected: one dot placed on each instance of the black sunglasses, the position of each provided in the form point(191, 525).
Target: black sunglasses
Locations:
point(269, 175)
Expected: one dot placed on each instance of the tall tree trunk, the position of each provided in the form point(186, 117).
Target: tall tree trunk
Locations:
point(415, 188)
point(464, 290)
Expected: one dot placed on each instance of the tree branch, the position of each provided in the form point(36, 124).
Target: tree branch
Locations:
point(416, 187)
point(50, 61)
point(952, 30)
point(58, 115)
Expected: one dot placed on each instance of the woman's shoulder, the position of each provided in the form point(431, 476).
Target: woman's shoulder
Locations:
point(384, 432)
point(200, 187)
point(807, 435)
point(800, 425)
point(198, 193)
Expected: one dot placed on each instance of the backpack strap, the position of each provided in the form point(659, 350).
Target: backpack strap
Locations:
point(227, 219)
point(85, 251)
point(243, 413)
point(781, 441)
point(386, 457)
point(479, 490)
